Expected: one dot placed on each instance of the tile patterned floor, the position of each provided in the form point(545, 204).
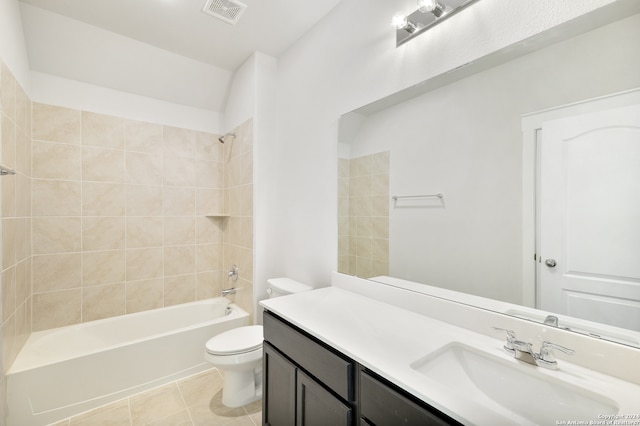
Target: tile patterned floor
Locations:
point(193, 401)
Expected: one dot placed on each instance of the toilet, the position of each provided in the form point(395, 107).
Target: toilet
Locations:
point(237, 353)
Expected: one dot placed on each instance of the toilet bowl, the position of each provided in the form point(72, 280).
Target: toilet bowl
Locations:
point(237, 353)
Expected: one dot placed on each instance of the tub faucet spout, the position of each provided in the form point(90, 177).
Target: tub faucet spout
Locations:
point(229, 291)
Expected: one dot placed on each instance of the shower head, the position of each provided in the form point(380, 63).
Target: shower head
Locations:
point(223, 138)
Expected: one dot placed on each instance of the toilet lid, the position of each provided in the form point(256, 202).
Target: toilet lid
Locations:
point(236, 341)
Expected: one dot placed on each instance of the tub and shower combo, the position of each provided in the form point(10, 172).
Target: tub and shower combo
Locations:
point(68, 370)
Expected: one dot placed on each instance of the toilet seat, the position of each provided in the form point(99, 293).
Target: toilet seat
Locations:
point(236, 341)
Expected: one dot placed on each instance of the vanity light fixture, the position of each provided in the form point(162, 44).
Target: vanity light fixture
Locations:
point(428, 14)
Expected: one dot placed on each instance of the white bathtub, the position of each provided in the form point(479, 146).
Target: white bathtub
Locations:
point(68, 370)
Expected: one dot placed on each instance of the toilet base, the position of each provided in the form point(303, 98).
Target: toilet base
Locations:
point(241, 387)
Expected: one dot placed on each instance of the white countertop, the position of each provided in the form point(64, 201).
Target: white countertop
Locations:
point(388, 339)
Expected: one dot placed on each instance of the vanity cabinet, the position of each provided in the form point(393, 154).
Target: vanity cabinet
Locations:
point(307, 382)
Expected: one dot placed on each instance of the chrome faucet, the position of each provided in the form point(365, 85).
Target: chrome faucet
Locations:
point(229, 291)
point(523, 351)
point(551, 320)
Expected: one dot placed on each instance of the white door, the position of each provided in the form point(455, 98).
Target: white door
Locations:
point(589, 217)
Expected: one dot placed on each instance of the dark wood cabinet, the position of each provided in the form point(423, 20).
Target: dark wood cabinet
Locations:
point(382, 404)
point(308, 383)
point(279, 394)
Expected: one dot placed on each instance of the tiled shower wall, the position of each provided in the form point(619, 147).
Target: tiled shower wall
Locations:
point(119, 220)
point(108, 216)
point(238, 201)
point(15, 138)
point(363, 215)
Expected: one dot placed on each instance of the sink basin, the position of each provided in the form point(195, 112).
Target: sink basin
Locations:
point(519, 392)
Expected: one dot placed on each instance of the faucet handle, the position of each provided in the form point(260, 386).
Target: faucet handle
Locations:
point(547, 357)
point(511, 337)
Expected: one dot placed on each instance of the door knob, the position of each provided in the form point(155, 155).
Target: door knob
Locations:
point(551, 263)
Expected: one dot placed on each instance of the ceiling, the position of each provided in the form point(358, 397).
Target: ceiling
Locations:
point(166, 49)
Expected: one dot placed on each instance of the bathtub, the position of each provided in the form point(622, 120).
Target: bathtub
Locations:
point(68, 370)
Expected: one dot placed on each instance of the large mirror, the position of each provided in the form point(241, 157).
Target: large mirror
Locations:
point(433, 180)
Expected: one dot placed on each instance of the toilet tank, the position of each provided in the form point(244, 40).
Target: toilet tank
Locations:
point(282, 286)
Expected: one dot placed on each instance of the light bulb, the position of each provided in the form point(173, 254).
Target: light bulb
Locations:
point(399, 21)
point(432, 6)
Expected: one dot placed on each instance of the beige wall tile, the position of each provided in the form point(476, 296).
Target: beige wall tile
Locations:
point(381, 162)
point(23, 238)
point(56, 235)
point(179, 143)
point(56, 124)
point(23, 195)
point(179, 201)
point(179, 231)
point(23, 108)
point(144, 200)
point(209, 174)
point(209, 229)
point(103, 233)
point(8, 92)
point(208, 148)
point(179, 289)
point(56, 309)
point(102, 165)
point(179, 171)
point(246, 232)
point(144, 169)
point(56, 197)
point(103, 267)
point(56, 161)
point(103, 199)
point(208, 284)
point(8, 292)
point(23, 153)
point(246, 200)
point(103, 301)
point(23, 281)
point(8, 185)
point(179, 260)
point(209, 201)
point(9, 344)
point(144, 263)
point(380, 205)
point(56, 272)
point(208, 257)
point(144, 232)
point(8, 133)
point(143, 137)
point(102, 130)
point(145, 294)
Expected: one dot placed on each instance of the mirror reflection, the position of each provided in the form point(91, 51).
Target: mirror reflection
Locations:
point(464, 141)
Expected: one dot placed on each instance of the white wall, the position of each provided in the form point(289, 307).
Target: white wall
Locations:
point(53, 90)
point(350, 59)
point(12, 45)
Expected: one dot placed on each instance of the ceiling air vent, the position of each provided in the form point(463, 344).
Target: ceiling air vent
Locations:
point(227, 10)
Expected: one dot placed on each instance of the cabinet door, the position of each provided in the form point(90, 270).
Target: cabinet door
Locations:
point(318, 407)
point(279, 395)
point(382, 405)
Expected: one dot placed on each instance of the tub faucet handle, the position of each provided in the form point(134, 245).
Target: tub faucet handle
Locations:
point(233, 273)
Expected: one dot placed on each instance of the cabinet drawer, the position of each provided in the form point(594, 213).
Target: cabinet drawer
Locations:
point(382, 405)
point(335, 371)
